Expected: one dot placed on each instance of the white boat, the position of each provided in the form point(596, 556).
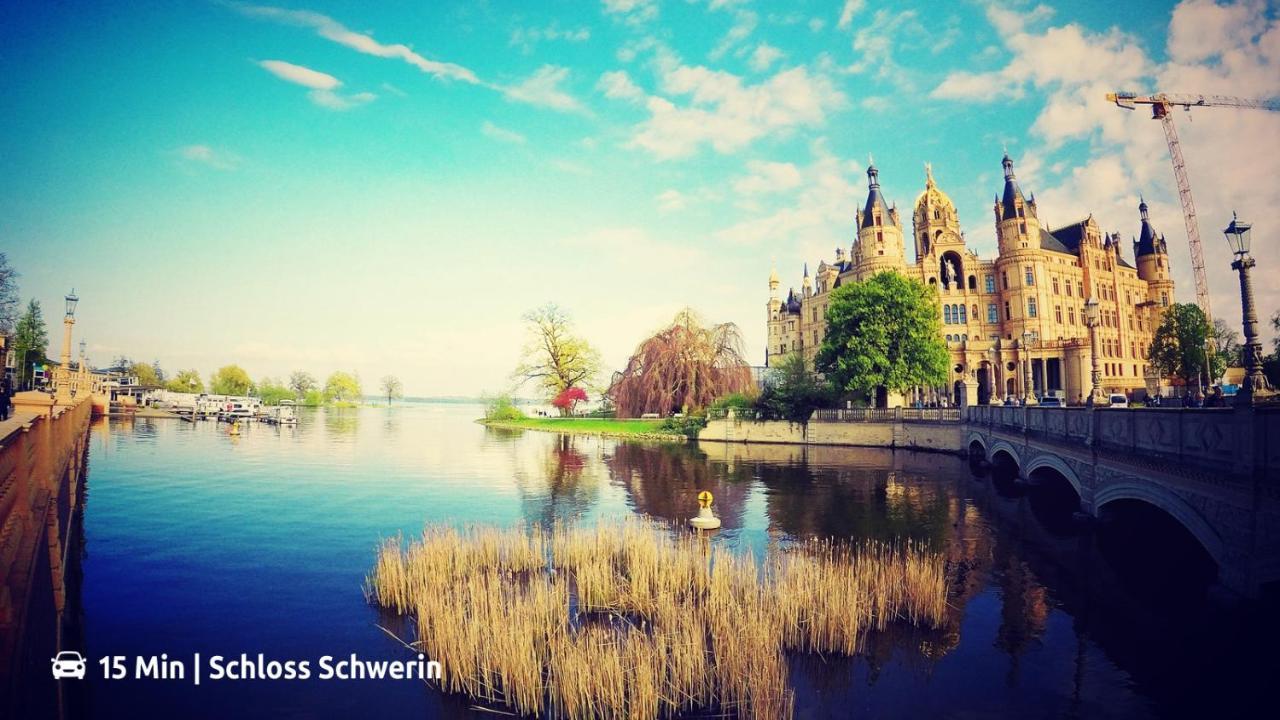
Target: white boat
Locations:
point(283, 414)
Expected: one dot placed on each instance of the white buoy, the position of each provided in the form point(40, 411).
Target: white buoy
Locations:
point(706, 520)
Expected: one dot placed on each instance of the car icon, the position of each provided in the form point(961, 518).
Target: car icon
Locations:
point(68, 664)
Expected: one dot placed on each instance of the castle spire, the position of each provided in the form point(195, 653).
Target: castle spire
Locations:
point(928, 176)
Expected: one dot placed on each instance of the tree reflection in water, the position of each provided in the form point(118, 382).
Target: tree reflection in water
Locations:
point(663, 481)
point(565, 487)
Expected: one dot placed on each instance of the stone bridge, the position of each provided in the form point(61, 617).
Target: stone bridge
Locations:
point(1216, 471)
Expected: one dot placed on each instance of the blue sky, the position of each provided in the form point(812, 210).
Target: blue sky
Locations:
point(387, 187)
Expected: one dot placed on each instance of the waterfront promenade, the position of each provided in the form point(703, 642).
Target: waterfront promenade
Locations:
point(42, 466)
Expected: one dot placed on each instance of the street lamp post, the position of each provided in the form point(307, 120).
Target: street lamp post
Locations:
point(1091, 316)
point(1254, 387)
point(63, 388)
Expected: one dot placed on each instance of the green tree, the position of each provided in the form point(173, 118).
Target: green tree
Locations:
point(302, 382)
point(186, 381)
point(883, 332)
point(230, 380)
point(1179, 346)
point(793, 393)
point(392, 388)
point(342, 387)
point(553, 356)
point(1226, 342)
point(313, 398)
point(8, 296)
point(272, 391)
point(146, 374)
point(30, 341)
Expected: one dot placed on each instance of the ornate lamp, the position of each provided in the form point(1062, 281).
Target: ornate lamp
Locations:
point(1254, 387)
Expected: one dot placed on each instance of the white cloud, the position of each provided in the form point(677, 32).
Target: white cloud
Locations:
point(764, 56)
point(300, 75)
point(324, 87)
point(618, 85)
point(876, 42)
point(527, 38)
point(744, 23)
point(725, 113)
point(502, 134)
point(817, 24)
point(816, 216)
point(543, 88)
point(671, 200)
point(206, 155)
point(633, 11)
point(851, 8)
point(330, 29)
point(767, 177)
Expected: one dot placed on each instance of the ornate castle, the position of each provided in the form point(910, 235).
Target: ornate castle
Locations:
point(1025, 307)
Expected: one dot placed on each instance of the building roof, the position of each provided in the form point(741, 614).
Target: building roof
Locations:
point(1012, 193)
point(1054, 241)
point(1149, 241)
point(874, 200)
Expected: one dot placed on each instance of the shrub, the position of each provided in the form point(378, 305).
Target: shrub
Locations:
point(737, 401)
point(688, 425)
point(502, 409)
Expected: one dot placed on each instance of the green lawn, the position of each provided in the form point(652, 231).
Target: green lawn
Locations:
point(588, 426)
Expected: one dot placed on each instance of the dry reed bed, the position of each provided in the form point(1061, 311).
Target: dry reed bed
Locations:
point(631, 620)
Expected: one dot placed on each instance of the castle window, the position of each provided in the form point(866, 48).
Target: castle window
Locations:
point(1164, 299)
point(990, 281)
point(1080, 287)
point(1022, 227)
point(973, 282)
point(946, 314)
point(1055, 286)
point(937, 214)
point(1021, 214)
point(1071, 315)
point(1131, 322)
point(963, 318)
point(964, 337)
point(993, 315)
point(1068, 284)
point(879, 233)
point(1030, 275)
point(1004, 278)
point(975, 312)
point(1031, 307)
point(1057, 313)
point(1007, 314)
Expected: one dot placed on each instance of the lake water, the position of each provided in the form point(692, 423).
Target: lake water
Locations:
point(197, 542)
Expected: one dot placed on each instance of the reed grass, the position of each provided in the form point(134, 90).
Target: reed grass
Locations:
point(633, 619)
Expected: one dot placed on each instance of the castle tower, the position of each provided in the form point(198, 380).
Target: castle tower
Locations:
point(775, 304)
point(1152, 255)
point(806, 286)
point(1017, 225)
point(880, 244)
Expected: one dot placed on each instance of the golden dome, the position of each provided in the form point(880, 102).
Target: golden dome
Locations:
point(934, 198)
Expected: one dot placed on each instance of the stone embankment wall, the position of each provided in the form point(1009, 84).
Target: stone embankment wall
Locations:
point(905, 435)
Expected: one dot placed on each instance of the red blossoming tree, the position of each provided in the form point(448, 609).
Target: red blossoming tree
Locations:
point(568, 399)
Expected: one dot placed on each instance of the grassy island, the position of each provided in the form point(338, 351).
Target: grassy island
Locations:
point(632, 429)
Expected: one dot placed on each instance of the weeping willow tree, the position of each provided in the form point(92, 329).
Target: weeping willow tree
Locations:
point(685, 366)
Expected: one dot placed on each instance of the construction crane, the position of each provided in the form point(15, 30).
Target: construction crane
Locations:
point(1161, 104)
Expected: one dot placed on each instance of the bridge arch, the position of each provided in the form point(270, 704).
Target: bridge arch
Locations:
point(975, 439)
point(1055, 463)
point(1000, 446)
point(1174, 506)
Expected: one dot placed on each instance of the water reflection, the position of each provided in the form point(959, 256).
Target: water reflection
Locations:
point(197, 545)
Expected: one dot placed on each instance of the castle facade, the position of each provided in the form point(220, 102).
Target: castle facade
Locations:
point(1024, 308)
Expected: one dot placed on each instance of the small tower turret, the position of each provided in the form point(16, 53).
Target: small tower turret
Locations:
point(880, 243)
point(1017, 225)
point(1152, 256)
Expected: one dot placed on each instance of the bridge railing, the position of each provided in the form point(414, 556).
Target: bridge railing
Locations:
point(900, 414)
point(1227, 439)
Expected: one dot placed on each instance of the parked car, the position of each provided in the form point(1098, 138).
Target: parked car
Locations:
point(1052, 401)
point(68, 664)
point(1117, 400)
